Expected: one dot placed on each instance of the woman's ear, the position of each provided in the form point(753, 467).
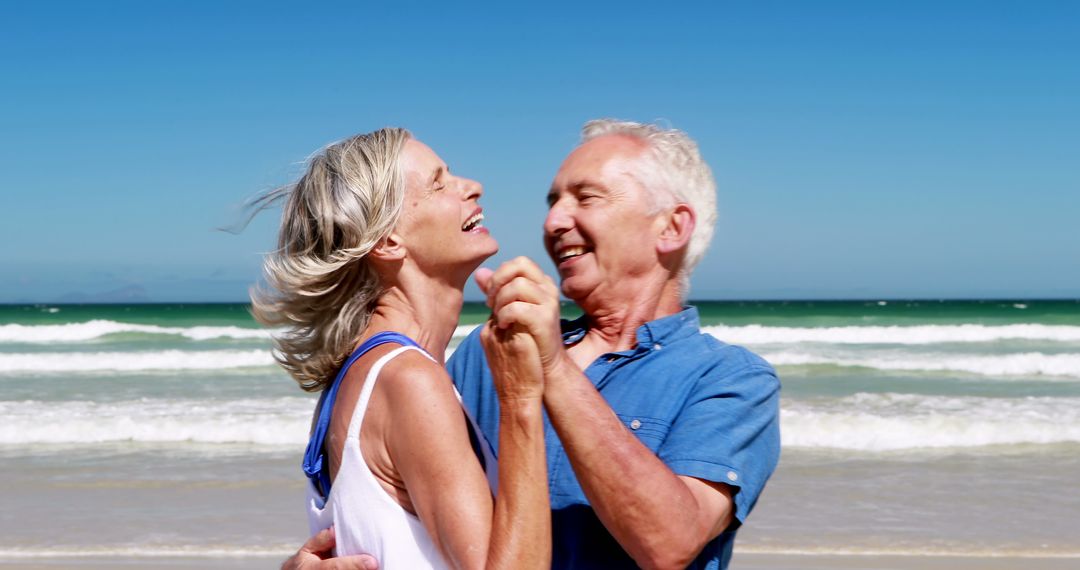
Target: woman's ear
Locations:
point(679, 227)
point(391, 248)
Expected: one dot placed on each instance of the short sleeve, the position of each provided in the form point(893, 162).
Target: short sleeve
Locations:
point(729, 432)
point(464, 362)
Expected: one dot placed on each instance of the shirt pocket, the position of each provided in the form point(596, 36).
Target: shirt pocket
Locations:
point(565, 488)
point(650, 431)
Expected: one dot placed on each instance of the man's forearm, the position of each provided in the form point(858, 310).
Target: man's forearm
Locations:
point(649, 510)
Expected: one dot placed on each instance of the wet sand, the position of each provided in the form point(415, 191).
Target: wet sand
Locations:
point(756, 561)
point(742, 561)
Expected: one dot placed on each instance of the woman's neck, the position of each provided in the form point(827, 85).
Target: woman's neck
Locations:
point(426, 311)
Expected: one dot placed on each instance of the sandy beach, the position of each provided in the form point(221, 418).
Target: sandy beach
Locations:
point(741, 561)
point(755, 561)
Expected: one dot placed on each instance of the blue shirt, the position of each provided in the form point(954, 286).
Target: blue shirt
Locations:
point(707, 409)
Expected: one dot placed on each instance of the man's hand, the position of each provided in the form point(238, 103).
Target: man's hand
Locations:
point(315, 554)
point(520, 294)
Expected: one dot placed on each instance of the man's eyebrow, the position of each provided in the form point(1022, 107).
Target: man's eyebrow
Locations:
point(574, 188)
point(584, 183)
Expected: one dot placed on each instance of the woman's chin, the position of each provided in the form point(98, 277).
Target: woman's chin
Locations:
point(483, 256)
point(490, 248)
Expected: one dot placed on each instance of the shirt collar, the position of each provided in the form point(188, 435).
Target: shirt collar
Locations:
point(653, 333)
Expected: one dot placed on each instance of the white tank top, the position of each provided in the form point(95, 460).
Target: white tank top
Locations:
point(366, 519)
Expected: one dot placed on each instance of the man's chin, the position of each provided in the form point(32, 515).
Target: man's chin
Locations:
point(575, 289)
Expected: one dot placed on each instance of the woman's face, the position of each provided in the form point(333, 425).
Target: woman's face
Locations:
point(441, 220)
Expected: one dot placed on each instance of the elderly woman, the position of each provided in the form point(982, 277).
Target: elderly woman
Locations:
point(377, 241)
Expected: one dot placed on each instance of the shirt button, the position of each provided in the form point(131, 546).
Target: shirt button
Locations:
point(657, 346)
point(635, 424)
point(732, 476)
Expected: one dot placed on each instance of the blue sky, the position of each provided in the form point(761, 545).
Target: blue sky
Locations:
point(862, 149)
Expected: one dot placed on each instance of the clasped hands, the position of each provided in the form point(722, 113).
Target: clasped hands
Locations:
point(522, 339)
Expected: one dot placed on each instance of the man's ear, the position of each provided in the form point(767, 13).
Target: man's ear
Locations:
point(680, 222)
point(391, 248)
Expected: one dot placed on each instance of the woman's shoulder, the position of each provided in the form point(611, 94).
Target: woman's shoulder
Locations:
point(413, 377)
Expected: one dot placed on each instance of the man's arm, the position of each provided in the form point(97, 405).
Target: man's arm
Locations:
point(661, 519)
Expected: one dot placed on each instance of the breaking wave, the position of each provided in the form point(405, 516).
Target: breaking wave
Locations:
point(92, 330)
point(278, 421)
point(98, 329)
point(920, 334)
point(1021, 364)
point(133, 361)
point(889, 422)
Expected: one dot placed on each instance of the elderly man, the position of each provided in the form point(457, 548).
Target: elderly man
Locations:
point(660, 438)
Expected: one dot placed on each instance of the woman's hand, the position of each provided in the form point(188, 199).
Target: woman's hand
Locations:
point(524, 299)
point(512, 338)
point(514, 360)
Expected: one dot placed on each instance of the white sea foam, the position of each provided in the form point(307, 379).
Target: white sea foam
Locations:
point(1017, 364)
point(919, 334)
point(278, 421)
point(463, 331)
point(36, 362)
point(863, 422)
point(95, 329)
point(889, 422)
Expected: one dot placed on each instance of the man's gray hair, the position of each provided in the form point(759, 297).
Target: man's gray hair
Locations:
point(678, 175)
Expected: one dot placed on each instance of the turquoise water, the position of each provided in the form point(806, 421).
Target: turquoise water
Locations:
point(794, 313)
point(890, 410)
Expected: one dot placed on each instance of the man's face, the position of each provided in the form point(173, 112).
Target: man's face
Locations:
point(599, 231)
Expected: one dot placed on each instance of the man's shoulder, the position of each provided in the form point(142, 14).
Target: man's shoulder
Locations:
point(470, 344)
point(731, 357)
point(467, 364)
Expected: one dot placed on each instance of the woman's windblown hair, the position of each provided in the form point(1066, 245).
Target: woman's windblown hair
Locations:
point(320, 287)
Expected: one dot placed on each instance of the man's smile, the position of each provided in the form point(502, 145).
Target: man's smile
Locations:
point(568, 254)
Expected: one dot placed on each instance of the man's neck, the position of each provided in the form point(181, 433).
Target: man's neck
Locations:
point(613, 323)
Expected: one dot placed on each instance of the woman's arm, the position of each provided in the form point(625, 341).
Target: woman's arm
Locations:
point(521, 532)
point(428, 442)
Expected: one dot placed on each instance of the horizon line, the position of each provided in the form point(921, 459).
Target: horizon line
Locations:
point(566, 301)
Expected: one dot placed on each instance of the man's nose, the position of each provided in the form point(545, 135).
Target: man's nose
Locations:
point(558, 220)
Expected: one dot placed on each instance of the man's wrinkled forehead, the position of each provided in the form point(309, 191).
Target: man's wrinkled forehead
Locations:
point(600, 162)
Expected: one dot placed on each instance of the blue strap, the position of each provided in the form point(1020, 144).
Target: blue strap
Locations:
point(316, 467)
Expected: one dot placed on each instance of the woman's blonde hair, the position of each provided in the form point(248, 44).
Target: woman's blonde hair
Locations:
point(320, 287)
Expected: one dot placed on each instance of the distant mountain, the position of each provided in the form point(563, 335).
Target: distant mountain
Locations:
point(129, 294)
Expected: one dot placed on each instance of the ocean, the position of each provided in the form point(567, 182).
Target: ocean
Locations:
point(147, 432)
